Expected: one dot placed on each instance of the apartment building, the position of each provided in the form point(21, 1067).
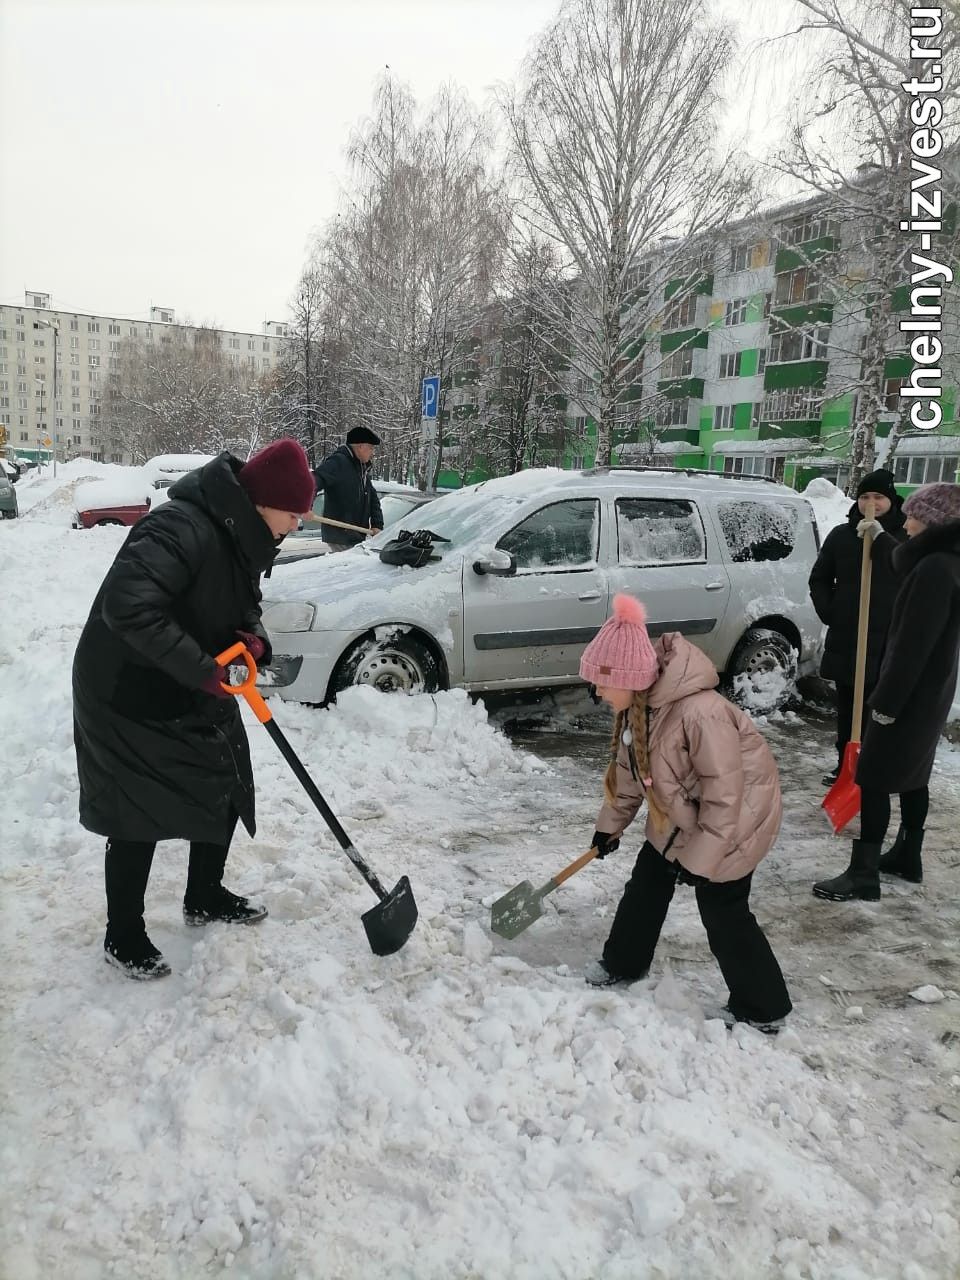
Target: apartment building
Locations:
point(54, 365)
point(752, 364)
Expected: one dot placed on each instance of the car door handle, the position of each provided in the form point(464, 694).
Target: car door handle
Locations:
point(714, 586)
point(589, 595)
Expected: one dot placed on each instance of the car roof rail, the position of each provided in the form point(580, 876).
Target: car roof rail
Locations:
point(683, 471)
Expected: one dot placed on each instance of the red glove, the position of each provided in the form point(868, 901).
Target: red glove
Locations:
point(255, 645)
point(213, 685)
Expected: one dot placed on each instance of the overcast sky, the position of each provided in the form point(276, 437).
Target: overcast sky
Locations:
point(182, 152)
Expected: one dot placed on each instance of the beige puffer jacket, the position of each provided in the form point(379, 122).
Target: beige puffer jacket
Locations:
point(712, 772)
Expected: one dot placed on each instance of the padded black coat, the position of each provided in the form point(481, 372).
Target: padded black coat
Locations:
point(918, 677)
point(349, 495)
point(159, 758)
point(835, 592)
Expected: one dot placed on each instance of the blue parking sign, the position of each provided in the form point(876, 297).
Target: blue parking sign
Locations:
point(429, 397)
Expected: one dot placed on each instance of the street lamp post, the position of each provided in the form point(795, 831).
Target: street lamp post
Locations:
point(48, 324)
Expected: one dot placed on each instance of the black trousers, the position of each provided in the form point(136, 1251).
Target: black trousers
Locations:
point(875, 812)
point(757, 988)
point(127, 866)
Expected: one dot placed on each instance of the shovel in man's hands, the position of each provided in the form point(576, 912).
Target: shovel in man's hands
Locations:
point(842, 801)
point(518, 909)
point(390, 923)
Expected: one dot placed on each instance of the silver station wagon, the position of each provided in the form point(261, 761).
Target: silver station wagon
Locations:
point(527, 574)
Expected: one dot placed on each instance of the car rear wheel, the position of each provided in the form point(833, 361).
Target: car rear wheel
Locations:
point(763, 670)
point(397, 664)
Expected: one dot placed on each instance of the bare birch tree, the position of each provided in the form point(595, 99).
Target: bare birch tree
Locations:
point(615, 136)
point(849, 145)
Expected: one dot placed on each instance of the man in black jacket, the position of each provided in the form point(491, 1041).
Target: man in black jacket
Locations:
point(161, 750)
point(349, 494)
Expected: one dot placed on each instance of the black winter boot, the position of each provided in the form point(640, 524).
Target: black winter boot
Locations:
point(860, 880)
point(206, 901)
point(126, 945)
point(135, 956)
point(903, 857)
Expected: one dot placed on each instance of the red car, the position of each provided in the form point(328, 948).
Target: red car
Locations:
point(110, 501)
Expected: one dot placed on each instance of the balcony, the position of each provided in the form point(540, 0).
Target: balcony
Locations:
point(790, 257)
point(684, 338)
point(698, 283)
point(795, 373)
point(675, 388)
point(796, 315)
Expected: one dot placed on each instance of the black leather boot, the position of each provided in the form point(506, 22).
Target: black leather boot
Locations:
point(126, 945)
point(206, 901)
point(903, 857)
point(860, 880)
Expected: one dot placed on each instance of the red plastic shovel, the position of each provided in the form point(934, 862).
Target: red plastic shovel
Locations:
point(842, 801)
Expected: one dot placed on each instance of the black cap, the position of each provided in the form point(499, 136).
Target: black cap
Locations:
point(362, 435)
point(881, 482)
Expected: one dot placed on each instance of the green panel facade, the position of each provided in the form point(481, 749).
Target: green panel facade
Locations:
point(684, 338)
point(795, 373)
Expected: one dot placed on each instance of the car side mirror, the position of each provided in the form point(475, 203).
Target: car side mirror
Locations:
point(496, 564)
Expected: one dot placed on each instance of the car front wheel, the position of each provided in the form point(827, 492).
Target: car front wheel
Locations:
point(397, 664)
point(763, 670)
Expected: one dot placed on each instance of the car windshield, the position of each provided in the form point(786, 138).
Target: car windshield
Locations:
point(460, 517)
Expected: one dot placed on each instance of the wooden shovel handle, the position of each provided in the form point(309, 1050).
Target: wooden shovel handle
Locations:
point(863, 626)
point(337, 524)
point(574, 867)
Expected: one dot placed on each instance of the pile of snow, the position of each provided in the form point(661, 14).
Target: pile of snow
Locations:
point(830, 505)
point(286, 1104)
point(168, 467)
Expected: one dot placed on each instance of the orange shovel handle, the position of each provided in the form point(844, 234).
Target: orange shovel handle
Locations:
point(248, 687)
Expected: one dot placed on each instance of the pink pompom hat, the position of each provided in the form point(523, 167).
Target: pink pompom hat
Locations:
point(620, 655)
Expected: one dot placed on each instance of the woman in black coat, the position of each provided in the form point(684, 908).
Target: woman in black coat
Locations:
point(161, 750)
point(835, 592)
point(912, 697)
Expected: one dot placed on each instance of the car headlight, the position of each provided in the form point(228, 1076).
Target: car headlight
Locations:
point(291, 615)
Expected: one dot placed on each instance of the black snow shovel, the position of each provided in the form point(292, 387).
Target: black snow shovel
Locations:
point(390, 923)
point(518, 909)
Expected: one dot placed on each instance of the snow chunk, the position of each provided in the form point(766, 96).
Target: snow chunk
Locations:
point(927, 994)
point(657, 1206)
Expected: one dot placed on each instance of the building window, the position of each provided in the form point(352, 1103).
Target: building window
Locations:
point(74, 325)
point(723, 417)
point(791, 406)
point(736, 311)
point(115, 330)
point(925, 469)
point(807, 227)
point(133, 331)
point(235, 344)
point(678, 364)
point(93, 361)
point(93, 344)
point(761, 360)
point(740, 257)
point(681, 315)
point(799, 344)
point(251, 346)
point(749, 464)
point(93, 326)
point(797, 286)
point(730, 364)
point(673, 413)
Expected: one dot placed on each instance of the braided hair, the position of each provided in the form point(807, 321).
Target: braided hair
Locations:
point(636, 717)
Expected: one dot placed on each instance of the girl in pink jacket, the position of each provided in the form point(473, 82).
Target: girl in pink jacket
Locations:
point(713, 809)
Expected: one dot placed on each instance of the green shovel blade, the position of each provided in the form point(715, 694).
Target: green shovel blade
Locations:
point(516, 910)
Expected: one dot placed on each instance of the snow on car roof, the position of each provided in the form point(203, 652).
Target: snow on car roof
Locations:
point(177, 462)
point(542, 480)
point(113, 491)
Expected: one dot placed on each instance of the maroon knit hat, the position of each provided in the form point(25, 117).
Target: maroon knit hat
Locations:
point(279, 476)
point(934, 504)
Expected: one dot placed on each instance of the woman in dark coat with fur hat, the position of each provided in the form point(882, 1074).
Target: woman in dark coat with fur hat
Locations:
point(835, 592)
point(912, 697)
point(161, 749)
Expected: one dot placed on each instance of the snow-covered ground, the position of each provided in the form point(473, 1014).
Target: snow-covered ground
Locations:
point(287, 1105)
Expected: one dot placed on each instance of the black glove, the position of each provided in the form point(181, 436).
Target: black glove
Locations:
point(687, 877)
point(604, 843)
